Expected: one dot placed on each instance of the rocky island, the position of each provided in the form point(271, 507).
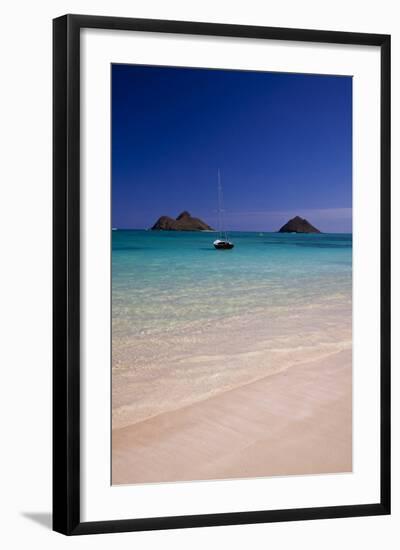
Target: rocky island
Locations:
point(298, 225)
point(184, 222)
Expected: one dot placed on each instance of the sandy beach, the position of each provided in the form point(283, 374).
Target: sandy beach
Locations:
point(297, 421)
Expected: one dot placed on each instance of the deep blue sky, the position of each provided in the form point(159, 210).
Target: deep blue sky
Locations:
point(282, 142)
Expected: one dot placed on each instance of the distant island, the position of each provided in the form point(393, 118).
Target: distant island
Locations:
point(184, 222)
point(298, 225)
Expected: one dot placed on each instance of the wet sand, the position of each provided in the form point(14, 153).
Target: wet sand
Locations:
point(298, 421)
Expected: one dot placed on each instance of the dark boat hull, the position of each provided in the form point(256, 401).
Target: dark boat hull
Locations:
point(223, 246)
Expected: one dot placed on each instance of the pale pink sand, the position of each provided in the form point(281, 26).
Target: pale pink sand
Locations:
point(298, 421)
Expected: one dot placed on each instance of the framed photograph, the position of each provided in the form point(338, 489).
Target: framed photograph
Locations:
point(221, 274)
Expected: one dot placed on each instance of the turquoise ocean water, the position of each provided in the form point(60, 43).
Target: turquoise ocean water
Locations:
point(189, 321)
point(161, 280)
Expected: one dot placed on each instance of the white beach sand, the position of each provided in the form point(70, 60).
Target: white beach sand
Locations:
point(297, 421)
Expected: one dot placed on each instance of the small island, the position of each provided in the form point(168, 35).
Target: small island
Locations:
point(298, 225)
point(184, 222)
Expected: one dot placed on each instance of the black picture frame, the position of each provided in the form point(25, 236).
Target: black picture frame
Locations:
point(66, 273)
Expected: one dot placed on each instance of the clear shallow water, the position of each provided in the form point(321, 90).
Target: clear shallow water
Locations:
point(164, 280)
point(190, 321)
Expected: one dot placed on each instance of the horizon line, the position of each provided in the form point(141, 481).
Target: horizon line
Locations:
point(228, 231)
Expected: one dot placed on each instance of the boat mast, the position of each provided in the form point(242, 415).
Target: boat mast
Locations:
point(222, 232)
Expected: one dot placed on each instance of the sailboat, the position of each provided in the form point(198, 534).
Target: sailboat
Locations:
point(223, 243)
